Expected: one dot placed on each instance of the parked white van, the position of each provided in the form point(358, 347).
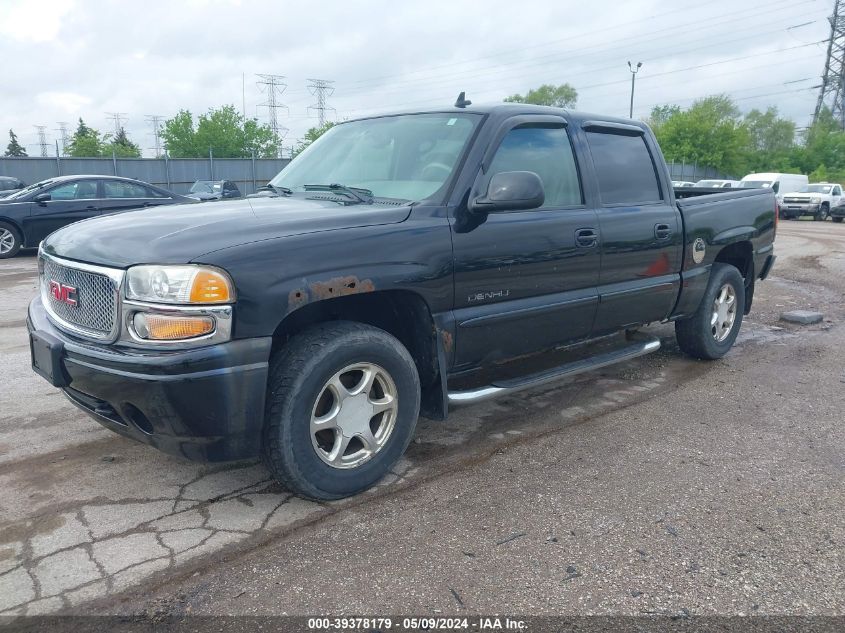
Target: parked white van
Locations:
point(781, 183)
point(717, 184)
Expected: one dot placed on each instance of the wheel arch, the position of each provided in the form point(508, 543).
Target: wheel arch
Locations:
point(403, 313)
point(740, 255)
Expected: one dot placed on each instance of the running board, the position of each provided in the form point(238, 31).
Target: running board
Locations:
point(638, 346)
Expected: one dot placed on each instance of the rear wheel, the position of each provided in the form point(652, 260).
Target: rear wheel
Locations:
point(712, 330)
point(10, 240)
point(837, 219)
point(342, 404)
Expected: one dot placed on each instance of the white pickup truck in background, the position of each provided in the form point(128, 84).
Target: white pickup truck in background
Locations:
point(815, 199)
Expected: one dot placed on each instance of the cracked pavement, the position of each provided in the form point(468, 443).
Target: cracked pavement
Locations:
point(91, 520)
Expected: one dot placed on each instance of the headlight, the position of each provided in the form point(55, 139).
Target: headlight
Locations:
point(815, 200)
point(187, 284)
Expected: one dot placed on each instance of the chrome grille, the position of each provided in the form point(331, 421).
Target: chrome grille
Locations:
point(795, 200)
point(96, 309)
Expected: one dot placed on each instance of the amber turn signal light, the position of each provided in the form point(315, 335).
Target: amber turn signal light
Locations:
point(209, 286)
point(164, 327)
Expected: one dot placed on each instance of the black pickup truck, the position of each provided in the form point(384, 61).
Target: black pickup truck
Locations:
point(395, 269)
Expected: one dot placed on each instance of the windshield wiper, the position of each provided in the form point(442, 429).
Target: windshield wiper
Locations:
point(277, 189)
point(364, 196)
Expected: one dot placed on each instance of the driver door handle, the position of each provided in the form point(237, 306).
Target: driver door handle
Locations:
point(586, 238)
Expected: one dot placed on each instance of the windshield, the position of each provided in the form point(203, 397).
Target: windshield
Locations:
point(206, 186)
point(755, 184)
point(27, 190)
point(816, 189)
point(709, 183)
point(407, 157)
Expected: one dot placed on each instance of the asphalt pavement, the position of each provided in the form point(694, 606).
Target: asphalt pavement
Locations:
point(660, 486)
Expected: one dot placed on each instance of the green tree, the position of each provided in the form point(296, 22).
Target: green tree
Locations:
point(310, 136)
point(711, 132)
point(14, 148)
point(121, 146)
point(771, 140)
point(223, 130)
point(562, 96)
point(86, 142)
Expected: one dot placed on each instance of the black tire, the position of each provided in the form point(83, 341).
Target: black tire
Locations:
point(837, 219)
point(9, 232)
point(298, 374)
point(821, 216)
point(695, 334)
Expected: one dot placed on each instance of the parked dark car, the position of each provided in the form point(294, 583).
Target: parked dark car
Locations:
point(205, 190)
point(403, 263)
point(9, 185)
point(31, 214)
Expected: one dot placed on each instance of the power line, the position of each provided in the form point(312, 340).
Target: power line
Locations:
point(155, 120)
point(321, 89)
point(274, 86)
point(63, 136)
point(42, 139)
point(832, 88)
point(117, 118)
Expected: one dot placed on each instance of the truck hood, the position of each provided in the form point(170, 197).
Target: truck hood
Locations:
point(181, 233)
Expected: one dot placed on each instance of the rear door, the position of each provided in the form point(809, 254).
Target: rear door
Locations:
point(641, 231)
point(70, 201)
point(525, 281)
point(124, 195)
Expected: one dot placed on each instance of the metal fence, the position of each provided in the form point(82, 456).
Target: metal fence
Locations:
point(692, 172)
point(175, 174)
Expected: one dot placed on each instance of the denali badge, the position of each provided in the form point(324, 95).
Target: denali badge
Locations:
point(61, 292)
point(698, 250)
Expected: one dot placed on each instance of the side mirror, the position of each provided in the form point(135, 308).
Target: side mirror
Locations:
point(41, 198)
point(511, 191)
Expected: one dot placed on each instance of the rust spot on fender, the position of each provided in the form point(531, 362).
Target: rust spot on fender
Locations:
point(335, 287)
point(448, 340)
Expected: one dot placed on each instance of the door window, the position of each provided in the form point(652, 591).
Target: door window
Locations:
point(624, 168)
point(120, 189)
point(547, 152)
point(837, 191)
point(77, 190)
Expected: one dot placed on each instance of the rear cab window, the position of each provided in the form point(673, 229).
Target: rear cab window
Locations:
point(624, 168)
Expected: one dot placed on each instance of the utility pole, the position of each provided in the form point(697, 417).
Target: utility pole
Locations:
point(63, 136)
point(634, 72)
point(832, 88)
point(118, 118)
point(42, 139)
point(273, 86)
point(155, 120)
point(321, 89)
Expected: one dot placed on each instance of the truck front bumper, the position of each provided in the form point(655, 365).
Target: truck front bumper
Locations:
point(204, 404)
point(796, 210)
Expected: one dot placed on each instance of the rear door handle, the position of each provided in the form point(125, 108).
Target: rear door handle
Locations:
point(90, 207)
point(662, 231)
point(586, 238)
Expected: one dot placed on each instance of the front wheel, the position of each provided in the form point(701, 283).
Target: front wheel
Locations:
point(10, 240)
point(821, 216)
point(711, 331)
point(342, 404)
point(837, 219)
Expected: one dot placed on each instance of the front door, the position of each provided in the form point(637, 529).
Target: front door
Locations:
point(69, 202)
point(525, 281)
point(641, 231)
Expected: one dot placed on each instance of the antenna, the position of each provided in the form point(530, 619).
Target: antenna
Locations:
point(321, 89)
point(462, 101)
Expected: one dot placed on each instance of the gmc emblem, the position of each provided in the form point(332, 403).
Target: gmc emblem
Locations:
point(61, 292)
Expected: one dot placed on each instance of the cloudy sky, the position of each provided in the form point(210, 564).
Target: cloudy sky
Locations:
point(69, 58)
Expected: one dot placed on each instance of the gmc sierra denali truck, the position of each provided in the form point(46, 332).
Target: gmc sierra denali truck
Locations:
point(395, 268)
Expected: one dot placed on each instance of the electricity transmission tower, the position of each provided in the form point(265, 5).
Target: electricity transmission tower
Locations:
point(832, 89)
point(42, 139)
point(321, 89)
point(155, 120)
point(274, 86)
point(118, 118)
point(63, 136)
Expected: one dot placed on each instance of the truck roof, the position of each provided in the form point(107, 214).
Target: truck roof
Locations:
point(509, 109)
